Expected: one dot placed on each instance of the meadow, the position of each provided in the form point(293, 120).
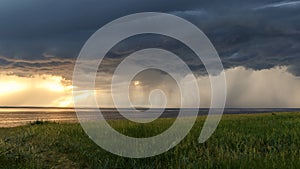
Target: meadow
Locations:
point(270, 140)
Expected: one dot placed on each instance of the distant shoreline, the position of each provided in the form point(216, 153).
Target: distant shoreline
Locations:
point(12, 116)
point(142, 108)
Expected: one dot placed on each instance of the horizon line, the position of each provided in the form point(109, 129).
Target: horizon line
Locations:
point(44, 107)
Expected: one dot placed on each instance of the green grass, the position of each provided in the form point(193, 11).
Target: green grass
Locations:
point(240, 141)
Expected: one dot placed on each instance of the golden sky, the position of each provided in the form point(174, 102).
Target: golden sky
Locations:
point(274, 87)
point(39, 90)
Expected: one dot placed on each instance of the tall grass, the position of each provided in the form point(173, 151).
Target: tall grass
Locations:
point(240, 141)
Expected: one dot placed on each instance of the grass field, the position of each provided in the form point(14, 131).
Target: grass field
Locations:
point(240, 141)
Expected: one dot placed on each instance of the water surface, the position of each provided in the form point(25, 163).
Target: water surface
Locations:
point(16, 116)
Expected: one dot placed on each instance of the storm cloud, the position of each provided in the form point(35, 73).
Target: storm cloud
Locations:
point(46, 36)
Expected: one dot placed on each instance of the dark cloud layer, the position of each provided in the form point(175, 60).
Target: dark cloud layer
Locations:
point(46, 36)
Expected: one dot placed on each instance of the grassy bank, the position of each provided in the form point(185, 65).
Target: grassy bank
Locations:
point(240, 141)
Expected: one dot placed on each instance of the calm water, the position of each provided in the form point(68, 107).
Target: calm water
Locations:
point(10, 117)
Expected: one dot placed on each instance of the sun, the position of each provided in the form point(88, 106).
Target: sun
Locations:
point(136, 83)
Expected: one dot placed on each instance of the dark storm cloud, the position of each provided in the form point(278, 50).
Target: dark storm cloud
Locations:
point(34, 18)
point(35, 35)
point(27, 68)
point(258, 36)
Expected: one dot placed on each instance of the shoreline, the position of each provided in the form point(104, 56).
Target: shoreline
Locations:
point(74, 119)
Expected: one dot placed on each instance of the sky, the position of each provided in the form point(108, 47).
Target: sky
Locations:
point(258, 42)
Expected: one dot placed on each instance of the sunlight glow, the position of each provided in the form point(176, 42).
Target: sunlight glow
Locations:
point(137, 83)
point(275, 87)
point(11, 86)
point(64, 102)
point(38, 90)
point(52, 84)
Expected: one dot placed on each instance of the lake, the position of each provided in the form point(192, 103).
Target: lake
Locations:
point(16, 116)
